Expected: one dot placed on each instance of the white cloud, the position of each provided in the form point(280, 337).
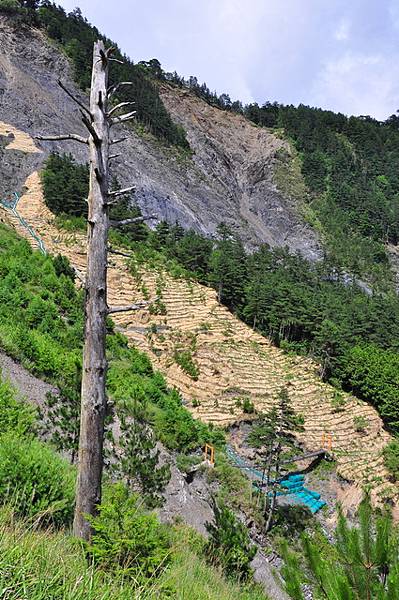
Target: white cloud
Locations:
point(341, 34)
point(358, 84)
point(336, 54)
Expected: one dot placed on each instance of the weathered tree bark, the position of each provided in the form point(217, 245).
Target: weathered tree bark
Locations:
point(94, 401)
point(98, 122)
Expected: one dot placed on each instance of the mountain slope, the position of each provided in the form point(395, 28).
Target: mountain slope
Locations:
point(233, 362)
point(229, 178)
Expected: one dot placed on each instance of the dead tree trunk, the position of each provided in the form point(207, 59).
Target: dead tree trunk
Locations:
point(90, 461)
point(98, 121)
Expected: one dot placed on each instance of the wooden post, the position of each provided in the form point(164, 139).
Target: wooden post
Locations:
point(94, 401)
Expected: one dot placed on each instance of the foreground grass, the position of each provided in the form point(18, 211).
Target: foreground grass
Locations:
point(47, 565)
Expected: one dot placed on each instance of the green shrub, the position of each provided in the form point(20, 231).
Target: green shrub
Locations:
point(10, 7)
point(15, 416)
point(338, 402)
point(360, 423)
point(65, 185)
point(62, 266)
point(186, 462)
point(185, 360)
point(178, 430)
point(248, 406)
point(391, 458)
point(229, 544)
point(157, 308)
point(127, 540)
point(372, 374)
point(35, 480)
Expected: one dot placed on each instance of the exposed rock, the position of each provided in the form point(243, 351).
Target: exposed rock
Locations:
point(189, 502)
point(27, 386)
point(229, 178)
point(393, 255)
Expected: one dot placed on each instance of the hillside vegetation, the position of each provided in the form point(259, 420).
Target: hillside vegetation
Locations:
point(41, 322)
point(302, 307)
point(215, 360)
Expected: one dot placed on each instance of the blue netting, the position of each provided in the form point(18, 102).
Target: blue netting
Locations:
point(293, 485)
point(12, 205)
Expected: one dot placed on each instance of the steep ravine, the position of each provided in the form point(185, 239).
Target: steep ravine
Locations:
point(229, 177)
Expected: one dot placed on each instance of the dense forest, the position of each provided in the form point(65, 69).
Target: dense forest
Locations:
point(307, 308)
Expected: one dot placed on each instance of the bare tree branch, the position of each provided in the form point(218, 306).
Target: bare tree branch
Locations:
point(112, 156)
point(118, 141)
point(123, 118)
point(117, 61)
point(57, 138)
point(139, 306)
point(91, 129)
point(119, 253)
point(110, 50)
point(118, 106)
point(78, 102)
point(104, 57)
point(122, 191)
point(79, 275)
point(132, 220)
point(114, 88)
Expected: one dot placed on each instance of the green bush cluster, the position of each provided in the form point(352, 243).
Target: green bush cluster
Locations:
point(41, 324)
point(127, 540)
point(41, 317)
point(16, 416)
point(185, 360)
point(10, 7)
point(229, 544)
point(34, 480)
point(131, 376)
point(391, 458)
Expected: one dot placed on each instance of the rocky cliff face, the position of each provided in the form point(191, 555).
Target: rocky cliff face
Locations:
point(229, 177)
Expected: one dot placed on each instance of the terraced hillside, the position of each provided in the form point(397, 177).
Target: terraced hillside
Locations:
point(225, 364)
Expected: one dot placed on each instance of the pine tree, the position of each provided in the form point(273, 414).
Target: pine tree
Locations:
point(364, 561)
point(229, 543)
point(139, 455)
point(61, 416)
point(274, 435)
point(228, 268)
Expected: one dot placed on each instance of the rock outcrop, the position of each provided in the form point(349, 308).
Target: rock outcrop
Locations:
point(229, 178)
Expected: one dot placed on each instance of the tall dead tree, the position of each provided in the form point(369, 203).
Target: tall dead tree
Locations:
point(98, 120)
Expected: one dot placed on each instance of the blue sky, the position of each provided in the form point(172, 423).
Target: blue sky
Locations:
point(337, 54)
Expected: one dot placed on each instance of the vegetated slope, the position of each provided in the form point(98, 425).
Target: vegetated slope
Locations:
point(230, 176)
point(214, 359)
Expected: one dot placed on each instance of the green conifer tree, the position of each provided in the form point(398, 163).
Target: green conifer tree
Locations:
point(363, 563)
point(274, 435)
point(229, 543)
point(139, 454)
